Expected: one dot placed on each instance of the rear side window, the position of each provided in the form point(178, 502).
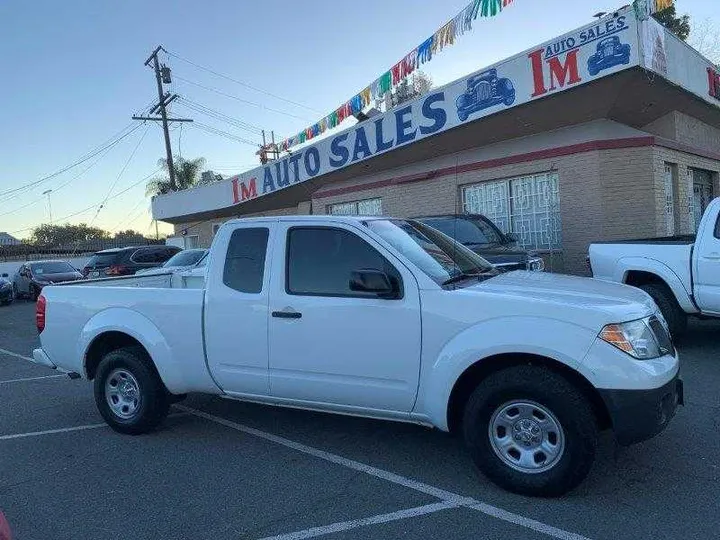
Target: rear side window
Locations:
point(717, 228)
point(245, 260)
point(321, 260)
point(102, 259)
point(152, 255)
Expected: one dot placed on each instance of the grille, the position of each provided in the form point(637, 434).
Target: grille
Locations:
point(661, 335)
point(483, 91)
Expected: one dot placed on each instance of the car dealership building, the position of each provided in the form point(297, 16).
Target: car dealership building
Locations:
point(611, 131)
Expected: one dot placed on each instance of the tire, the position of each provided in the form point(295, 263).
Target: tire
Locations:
point(544, 393)
point(16, 294)
point(127, 378)
point(675, 317)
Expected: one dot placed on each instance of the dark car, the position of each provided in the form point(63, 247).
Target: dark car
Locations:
point(183, 260)
point(610, 52)
point(31, 277)
point(7, 295)
point(484, 90)
point(484, 238)
point(127, 261)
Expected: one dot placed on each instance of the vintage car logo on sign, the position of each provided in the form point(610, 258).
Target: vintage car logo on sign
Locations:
point(610, 52)
point(483, 91)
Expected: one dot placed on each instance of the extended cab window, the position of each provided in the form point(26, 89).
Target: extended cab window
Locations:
point(320, 261)
point(245, 260)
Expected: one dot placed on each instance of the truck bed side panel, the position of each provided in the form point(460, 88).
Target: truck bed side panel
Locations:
point(167, 322)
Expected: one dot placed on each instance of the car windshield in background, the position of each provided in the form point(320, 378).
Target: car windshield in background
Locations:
point(433, 252)
point(102, 259)
point(185, 258)
point(51, 268)
point(468, 231)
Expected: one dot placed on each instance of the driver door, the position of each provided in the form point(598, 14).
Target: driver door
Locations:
point(330, 344)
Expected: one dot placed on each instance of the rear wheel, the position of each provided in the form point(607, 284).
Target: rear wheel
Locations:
point(674, 315)
point(531, 431)
point(129, 393)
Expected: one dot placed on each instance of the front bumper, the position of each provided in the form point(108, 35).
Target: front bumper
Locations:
point(638, 415)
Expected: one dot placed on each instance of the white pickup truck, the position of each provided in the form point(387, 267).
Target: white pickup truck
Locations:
point(381, 318)
point(682, 274)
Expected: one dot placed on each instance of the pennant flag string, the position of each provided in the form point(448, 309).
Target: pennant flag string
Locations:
point(444, 37)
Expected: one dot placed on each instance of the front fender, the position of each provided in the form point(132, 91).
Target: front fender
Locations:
point(140, 328)
point(661, 270)
point(561, 341)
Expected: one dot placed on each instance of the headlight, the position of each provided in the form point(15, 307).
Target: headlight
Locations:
point(536, 264)
point(635, 338)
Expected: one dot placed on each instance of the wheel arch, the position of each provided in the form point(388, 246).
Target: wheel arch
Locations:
point(645, 271)
point(481, 369)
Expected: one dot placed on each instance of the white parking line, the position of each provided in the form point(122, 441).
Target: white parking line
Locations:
point(34, 378)
point(50, 431)
point(446, 496)
point(363, 522)
point(16, 355)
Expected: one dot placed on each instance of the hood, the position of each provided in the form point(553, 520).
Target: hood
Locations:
point(59, 278)
point(502, 254)
point(612, 302)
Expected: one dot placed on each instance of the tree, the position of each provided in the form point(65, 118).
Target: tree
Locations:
point(418, 84)
point(705, 37)
point(680, 26)
point(65, 235)
point(187, 174)
point(129, 236)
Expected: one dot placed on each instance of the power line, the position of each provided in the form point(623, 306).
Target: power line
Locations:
point(248, 102)
point(241, 83)
point(117, 178)
point(109, 144)
point(204, 109)
point(61, 186)
point(145, 179)
point(215, 131)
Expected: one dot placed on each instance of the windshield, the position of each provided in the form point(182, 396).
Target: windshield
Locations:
point(185, 258)
point(430, 250)
point(469, 231)
point(51, 268)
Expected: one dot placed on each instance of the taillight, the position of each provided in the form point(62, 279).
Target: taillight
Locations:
point(40, 313)
point(116, 270)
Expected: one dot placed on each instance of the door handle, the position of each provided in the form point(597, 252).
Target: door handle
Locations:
point(287, 314)
point(714, 256)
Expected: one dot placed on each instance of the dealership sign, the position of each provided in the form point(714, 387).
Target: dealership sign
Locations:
point(605, 47)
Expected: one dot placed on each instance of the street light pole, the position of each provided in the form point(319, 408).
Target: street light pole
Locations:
point(48, 192)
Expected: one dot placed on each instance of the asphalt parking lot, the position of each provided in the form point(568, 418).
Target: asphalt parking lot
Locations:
point(220, 469)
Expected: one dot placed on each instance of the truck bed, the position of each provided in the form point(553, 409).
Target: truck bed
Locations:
point(166, 280)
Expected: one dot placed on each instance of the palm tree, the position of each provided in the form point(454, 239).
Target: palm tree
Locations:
point(187, 174)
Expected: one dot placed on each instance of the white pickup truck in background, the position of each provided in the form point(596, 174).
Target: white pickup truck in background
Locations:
point(382, 318)
point(682, 274)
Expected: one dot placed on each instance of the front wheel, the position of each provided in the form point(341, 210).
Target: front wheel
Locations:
point(129, 393)
point(531, 431)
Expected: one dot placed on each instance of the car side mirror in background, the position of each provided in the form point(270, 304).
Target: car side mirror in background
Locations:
point(512, 237)
point(372, 281)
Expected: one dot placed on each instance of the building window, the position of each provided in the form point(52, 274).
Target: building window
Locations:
point(191, 241)
point(700, 193)
point(670, 174)
point(367, 207)
point(528, 206)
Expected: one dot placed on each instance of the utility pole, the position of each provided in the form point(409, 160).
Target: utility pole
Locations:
point(162, 75)
point(48, 192)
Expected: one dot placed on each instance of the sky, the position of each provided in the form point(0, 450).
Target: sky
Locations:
point(73, 75)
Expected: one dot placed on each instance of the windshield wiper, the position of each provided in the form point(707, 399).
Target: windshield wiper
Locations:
point(461, 277)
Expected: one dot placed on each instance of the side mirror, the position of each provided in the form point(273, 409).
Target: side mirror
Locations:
point(372, 281)
point(512, 237)
point(5, 275)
